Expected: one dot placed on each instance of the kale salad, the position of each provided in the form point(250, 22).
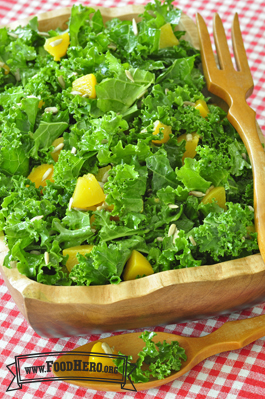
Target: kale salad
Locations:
point(116, 110)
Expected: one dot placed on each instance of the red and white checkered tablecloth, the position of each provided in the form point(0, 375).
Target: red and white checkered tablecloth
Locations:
point(237, 374)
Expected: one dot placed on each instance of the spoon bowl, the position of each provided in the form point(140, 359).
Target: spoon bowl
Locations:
point(232, 335)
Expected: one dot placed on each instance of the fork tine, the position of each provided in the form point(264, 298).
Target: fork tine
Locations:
point(206, 48)
point(222, 48)
point(238, 47)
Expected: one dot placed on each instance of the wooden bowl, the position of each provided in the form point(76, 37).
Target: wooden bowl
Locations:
point(163, 298)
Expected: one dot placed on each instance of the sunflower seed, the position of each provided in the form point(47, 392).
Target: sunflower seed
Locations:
point(159, 238)
point(185, 103)
point(172, 230)
point(112, 46)
point(53, 110)
point(37, 218)
point(35, 252)
point(93, 230)
point(74, 73)
point(46, 174)
point(175, 236)
point(107, 349)
point(103, 206)
point(209, 189)
point(197, 194)
point(173, 206)
point(76, 93)
point(2, 64)
point(134, 26)
point(58, 148)
point(46, 258)
point(70, 203)
point(45, 34)
point(56, 42)
point(12, 35)
point(129, 75)
point(105, 177)
point(189, 137)
point(244, 156)
point(166, 91)
point(19, 104)
point(251, 208)
point(13, 264)
point(192, 241)
point(61, 81)
point(104, 141)
point(17, 75)
point(73, 150)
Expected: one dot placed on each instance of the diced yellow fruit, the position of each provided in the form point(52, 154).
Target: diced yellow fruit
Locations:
point(101, 172)
point(5, 67)
point(166, 130)
point(107, 362)
point(87, 192)
point(55, 155)
point(86, 85)
point(202, 107)
point(137, 265)
point(60, 46)
point(217, 193)
point(39, 175)
point(41, 103)
point(190, 145)
point(167, 37)
point(73, 251)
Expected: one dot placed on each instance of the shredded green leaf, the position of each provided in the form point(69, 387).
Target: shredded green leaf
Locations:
point(156, 360)
point(148, 187)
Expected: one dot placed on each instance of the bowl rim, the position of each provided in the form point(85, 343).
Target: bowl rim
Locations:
point(125, 290)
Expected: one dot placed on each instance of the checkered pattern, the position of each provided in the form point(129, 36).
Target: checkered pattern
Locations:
point(232, 375)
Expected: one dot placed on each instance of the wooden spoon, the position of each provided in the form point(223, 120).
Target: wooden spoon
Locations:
point(232, 335)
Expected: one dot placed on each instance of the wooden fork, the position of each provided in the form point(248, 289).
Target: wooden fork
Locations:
point(234, 87)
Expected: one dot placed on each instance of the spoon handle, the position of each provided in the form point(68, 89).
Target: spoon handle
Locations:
point(232, 335)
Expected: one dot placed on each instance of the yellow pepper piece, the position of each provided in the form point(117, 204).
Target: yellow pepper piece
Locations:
point(41, 103)
point(217, 193)
point(107, 366)
point(5, 67)
point(192, 140)
point(73, 251)
point(55, 155)
point(167, 37)
point(41, 174)
point(87, 192)
point(57, 46)
point(202, 107)
point(165, 129)
point(137, 265)
point(86, 85)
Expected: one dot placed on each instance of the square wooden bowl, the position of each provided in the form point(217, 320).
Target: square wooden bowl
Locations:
point(163, 298)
